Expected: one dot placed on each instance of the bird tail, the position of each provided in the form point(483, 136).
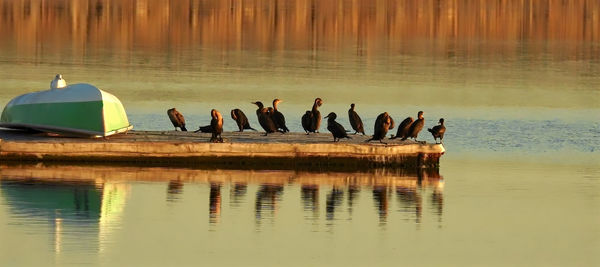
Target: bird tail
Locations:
point(393, 136)
point(183, 128)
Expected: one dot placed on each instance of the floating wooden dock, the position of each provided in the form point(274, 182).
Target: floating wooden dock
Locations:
point(240, 150)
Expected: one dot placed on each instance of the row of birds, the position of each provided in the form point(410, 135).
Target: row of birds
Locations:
point(272, 120)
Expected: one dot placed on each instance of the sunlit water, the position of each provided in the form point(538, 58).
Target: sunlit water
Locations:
point(518, 184)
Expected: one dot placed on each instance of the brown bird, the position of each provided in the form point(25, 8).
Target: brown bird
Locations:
point(264, 118)
point(216, 123)
point(177, 119)
point(307, 121)
point(278, 117)
point(336, 129)
point(382, 124)
point(438, 131)
point(403, 128)
point(316, 116)
point(241, 120)
point(415, 127)
point(355, 120)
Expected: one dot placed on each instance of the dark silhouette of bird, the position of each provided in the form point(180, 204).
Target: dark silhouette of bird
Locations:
point(177, 119)
point(355, 121)
point(216, 123)
point(382, 125)
point(264, 118)
point(204, 129)
point(415, 127)
point(438, 131)
point(403, 128)
point(315, 116)
point(278, 117)
point(307, 121)
point(240, 118)
point(336, 129)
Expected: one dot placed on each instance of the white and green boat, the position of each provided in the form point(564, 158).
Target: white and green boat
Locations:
point(78, 109)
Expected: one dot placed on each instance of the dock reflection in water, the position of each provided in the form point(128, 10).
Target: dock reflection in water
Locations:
point(84, 189)
point(95, 209)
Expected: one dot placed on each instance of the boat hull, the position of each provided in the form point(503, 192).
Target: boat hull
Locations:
point(79, 109)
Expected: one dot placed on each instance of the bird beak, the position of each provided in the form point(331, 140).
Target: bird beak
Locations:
point(253, 103)
point(326, 117)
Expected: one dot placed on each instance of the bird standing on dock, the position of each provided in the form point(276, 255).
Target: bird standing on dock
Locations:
point(278, 117)
point(315, 118)
point(216, 123)
point(307, 121)
point(58, 82)
point(382, 124)
point(240, 118)
point(403, 128)
point(438, 131)
point(264, 118)
point(177, 119)
point(336, 129)
point(355, 120)
point(415, 127)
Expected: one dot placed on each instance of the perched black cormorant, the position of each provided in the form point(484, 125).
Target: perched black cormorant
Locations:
point(438, 131)
point(382, 125)
point(403, 128)
point(415, 127)
point(240, 118)
point(307, 121)
point(264, 118)
point(336, 129)
point(216, 123)
point(355, 121)
point(177, 119)
point(278, 117)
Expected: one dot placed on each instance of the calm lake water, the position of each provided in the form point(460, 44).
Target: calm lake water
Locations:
point(517, 83)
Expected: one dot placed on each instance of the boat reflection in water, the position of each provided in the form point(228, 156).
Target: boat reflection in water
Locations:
point(79, 212)
point(70, 198)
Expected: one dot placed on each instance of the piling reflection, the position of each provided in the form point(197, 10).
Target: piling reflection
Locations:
point(85, 194)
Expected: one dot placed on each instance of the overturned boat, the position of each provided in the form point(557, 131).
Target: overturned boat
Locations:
point(75, 110)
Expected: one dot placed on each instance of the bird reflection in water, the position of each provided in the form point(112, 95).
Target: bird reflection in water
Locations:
point(410, 200)
point(237, 192)
point(310, 199)
point(267, 197)
point(174, 190)
point(380, 196)
point(334, 200)
point(437, 200)
point(214, 203)
point(353, 191)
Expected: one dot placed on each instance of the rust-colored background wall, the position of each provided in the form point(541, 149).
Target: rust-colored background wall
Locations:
point(284, 24)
